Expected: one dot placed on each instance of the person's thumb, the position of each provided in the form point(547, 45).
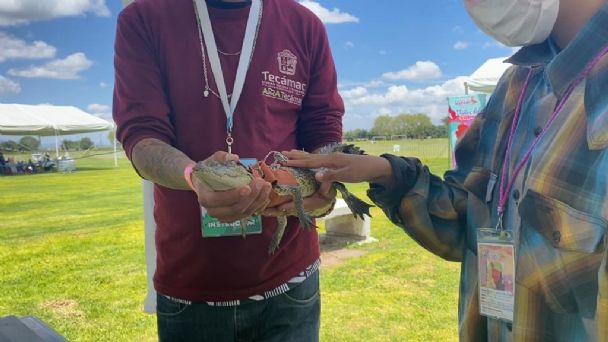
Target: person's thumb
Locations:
point(325, 189)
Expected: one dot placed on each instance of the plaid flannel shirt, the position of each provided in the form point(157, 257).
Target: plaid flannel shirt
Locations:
point(557, 208)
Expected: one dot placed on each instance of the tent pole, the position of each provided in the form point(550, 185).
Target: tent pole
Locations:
point(466, 88)
point(56, 145)
point(115, 157)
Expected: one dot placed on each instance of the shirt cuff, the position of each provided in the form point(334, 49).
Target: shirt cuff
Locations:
point(405, 174)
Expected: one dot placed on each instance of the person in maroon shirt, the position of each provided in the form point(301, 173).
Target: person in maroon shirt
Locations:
point(170, 112)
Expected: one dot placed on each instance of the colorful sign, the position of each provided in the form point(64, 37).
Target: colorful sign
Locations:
point(462, 111)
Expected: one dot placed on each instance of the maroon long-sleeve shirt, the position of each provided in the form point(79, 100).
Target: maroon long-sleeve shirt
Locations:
point(290, 100)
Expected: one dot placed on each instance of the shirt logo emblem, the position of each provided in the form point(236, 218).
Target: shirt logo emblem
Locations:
point(287, 62)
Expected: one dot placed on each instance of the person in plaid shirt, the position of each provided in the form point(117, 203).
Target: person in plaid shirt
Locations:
point(534, 163)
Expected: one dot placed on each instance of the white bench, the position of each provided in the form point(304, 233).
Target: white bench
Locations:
point(341, 223)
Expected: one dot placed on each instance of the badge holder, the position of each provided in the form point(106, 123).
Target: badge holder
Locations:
point(211, 227)
point(248, 162)
point(495, 253)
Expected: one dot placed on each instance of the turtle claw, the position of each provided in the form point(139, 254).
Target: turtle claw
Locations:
point(356, 206)
point(307, 222)
point(278, 234)
point(243, 223)
point(272, 248)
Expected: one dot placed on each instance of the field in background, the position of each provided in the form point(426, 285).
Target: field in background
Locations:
point(71, 253)
point(433, 152)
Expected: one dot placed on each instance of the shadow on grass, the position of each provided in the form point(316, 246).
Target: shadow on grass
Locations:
point(331, 243)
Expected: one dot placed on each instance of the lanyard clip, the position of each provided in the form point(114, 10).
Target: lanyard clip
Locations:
point(499, 223)
point(229, 142)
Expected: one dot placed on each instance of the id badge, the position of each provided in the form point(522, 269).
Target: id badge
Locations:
point(495, 253)
point(211, 227)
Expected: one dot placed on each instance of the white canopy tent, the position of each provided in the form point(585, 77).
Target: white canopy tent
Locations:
point(485, 78)
point(47, 120)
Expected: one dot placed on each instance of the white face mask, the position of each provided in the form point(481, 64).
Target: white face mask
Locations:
point(515, 22)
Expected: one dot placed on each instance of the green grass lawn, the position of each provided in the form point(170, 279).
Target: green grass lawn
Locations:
point(71, 253)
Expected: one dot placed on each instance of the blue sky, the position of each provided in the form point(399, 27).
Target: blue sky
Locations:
point(392, 56)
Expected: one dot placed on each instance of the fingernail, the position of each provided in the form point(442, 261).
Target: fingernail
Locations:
point(245, 192)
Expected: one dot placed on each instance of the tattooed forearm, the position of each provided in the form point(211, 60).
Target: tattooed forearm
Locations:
point(161, 163)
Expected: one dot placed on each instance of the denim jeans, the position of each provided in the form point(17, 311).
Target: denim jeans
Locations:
point(291, 316)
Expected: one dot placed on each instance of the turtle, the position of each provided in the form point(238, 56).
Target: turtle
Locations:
point(288, 183)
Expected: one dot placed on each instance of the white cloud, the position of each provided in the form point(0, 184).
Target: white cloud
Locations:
point(354, 93)
point(458, 30)
point(334, 16)
point(9, 86)
point(100, 110)
point(14, 12)
point(103, 84)
point(370, 84)
point(460, 45)
point(497, 44)
point(422, 70)
point(494, 44)
point(12, 47)
point(363, 104)
point(375, 84)
point(64, 69)
point(349, 45)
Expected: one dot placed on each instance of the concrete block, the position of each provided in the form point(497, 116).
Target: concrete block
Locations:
point(341, 222)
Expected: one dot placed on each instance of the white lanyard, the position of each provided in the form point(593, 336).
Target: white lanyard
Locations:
point(244, 61)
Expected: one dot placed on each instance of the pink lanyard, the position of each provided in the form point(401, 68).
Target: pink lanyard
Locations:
point(505, 187)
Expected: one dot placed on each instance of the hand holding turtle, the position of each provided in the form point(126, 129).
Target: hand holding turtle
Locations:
point(319, 202)
point(229, 204)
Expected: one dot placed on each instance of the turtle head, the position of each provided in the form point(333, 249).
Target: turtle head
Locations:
point(221, 176)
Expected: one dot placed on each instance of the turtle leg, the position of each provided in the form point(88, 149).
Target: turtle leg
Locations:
point(298, 201)
point(356, 206)
point(278, 234)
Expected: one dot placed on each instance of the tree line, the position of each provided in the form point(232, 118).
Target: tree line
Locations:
point(409, 126)
point(31, 144)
